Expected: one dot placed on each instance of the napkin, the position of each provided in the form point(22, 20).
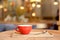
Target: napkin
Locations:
point(34, 34)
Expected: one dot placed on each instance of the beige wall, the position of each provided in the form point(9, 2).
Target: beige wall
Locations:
point(48, 9)
point(19, 2)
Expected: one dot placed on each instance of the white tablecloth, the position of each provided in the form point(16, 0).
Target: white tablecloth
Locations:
point(10, 35)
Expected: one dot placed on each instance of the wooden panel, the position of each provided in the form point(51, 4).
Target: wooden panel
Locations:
point(59, 16)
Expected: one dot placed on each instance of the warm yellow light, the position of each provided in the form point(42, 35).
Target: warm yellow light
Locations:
point(32, 0)
point(26, 0)
point(21, 7)
point(35, 0)
point(33, 5)
point(38, 6)
point(33, 14)
point(55, 3)
point(10, 3)
point(5, 9)
point(38, 0)
point(1, 6)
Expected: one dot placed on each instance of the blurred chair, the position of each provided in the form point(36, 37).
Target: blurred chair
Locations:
point(51, 28)
point(2, 27)
point(10, 26)
point(33, 26)
point(54, 26)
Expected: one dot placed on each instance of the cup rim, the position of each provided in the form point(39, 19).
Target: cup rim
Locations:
point(24, 25)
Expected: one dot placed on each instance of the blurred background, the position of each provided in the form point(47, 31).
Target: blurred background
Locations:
point(34, 10)
point(29, 11)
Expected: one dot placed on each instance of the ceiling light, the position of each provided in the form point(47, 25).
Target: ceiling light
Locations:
point(21, 7)
point(1, 6)
point(55, 3)
point(33, 14)
point(33, 5)
point(38, 6)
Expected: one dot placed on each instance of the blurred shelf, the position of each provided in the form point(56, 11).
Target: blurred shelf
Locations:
point(32, 22)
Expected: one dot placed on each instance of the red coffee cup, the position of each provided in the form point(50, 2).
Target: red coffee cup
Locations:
point(24, 29)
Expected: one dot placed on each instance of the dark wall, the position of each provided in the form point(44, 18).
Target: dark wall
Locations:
point(0, 0)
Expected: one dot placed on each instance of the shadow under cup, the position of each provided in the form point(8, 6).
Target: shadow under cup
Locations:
point(24, 29)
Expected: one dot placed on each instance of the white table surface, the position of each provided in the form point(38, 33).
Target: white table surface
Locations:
point(7, 35)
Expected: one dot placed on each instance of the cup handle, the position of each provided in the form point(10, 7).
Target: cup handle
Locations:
point(17, 29)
